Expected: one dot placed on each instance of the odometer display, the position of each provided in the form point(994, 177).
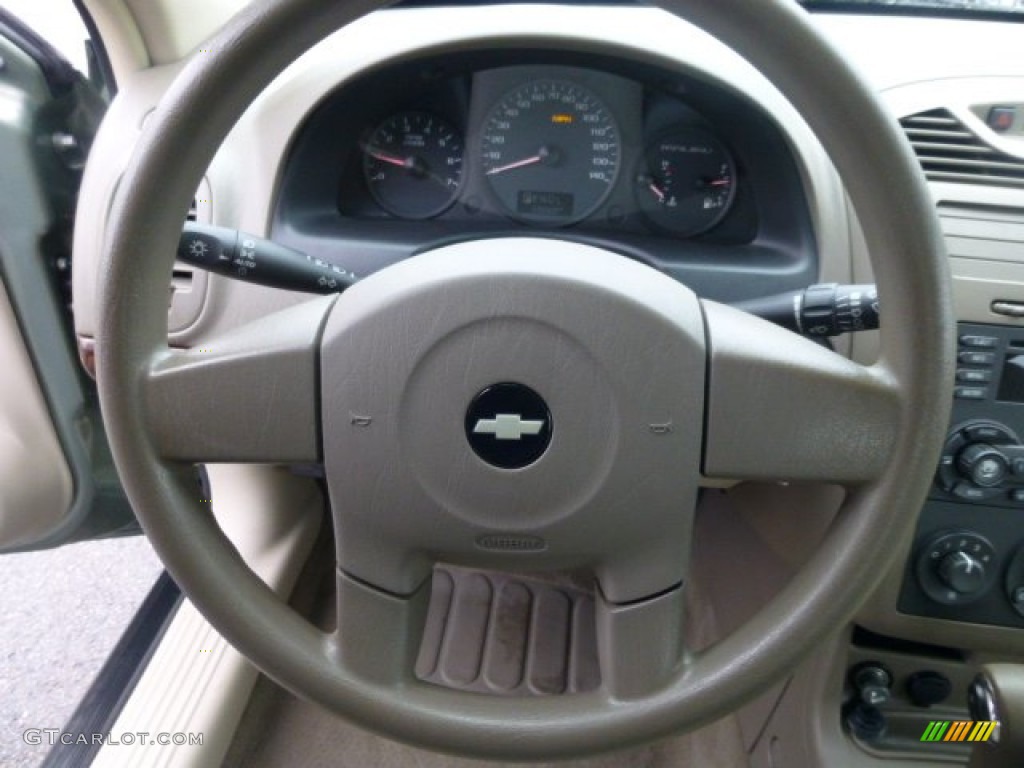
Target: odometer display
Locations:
point(550, 152)
point(534, 203)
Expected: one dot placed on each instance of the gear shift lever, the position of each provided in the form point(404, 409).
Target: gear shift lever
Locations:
point(997, 693)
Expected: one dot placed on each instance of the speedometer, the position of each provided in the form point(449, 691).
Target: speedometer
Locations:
point(550, 152)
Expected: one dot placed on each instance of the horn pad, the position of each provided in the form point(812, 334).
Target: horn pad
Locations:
point(537, 389)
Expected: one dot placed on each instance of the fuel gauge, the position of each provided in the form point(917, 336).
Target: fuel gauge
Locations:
point(687, 181)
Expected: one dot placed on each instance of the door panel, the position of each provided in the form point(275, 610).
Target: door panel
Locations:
point(35, 483)
point(57, 482)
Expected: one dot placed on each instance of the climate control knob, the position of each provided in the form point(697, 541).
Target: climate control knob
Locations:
point(956, 567)
point(962, 573)
point(983, 465)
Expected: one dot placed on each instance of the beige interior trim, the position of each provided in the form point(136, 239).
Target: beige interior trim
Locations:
point(171, 29)
point(141, 33)
point(36, 487)
point(892, 51)
point(195, 681)
point(979, 283)
point(121, 38)
point(139, 92)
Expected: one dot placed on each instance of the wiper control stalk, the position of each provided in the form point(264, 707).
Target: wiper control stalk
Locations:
point(823, 310)
point(255, 260)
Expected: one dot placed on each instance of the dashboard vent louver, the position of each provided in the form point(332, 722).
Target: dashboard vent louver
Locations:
point(188, 288)
point(181, 280)
point(949, 151)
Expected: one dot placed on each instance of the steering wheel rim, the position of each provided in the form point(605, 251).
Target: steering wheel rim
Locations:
point(908, 258)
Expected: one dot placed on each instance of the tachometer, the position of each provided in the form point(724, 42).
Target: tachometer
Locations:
point(550, 152)
point(413, 165)
point(688, 181)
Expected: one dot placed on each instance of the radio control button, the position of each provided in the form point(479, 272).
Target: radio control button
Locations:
point(980, 342)
point(970, 492)
point(1017, 598)
point(947, 474)
point(977, 358)
point(970, 393)
point(991, 470)
point(955, 442)
point(988, 433)
point(973, 376)
point(983, 465)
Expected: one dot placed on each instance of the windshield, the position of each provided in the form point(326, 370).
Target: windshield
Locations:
point(977, 6)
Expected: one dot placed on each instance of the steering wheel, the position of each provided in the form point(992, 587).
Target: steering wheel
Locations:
point(638, 388)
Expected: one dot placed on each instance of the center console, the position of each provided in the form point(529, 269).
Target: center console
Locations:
point(968, 558)
point(966, 564)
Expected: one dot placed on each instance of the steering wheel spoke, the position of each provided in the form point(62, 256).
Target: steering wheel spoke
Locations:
point(641, 646)
point(781, 407)
point(378, 633)
point(250, 395)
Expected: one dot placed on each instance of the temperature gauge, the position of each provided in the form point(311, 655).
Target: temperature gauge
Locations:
point(687, 182)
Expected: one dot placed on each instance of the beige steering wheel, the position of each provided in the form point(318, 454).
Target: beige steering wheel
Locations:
point(375, 385)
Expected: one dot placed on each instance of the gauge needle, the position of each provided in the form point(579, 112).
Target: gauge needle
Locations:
point(542, 154)
point(517, 164)
point(413, 164)
point(651, 183)
point(384, 157)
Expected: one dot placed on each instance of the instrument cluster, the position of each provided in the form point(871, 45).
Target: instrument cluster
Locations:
point(548, 148)
point(675, 169)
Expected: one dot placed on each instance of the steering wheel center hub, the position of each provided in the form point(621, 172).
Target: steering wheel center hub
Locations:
point(543, 389)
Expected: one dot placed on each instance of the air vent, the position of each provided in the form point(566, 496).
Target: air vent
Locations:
point(950, 151)
point(188, 286)
point(199, 211)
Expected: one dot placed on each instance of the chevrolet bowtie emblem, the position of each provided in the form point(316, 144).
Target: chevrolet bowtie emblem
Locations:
point(508, 426)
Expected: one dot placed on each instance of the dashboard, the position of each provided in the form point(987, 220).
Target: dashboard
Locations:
point(667, 169)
